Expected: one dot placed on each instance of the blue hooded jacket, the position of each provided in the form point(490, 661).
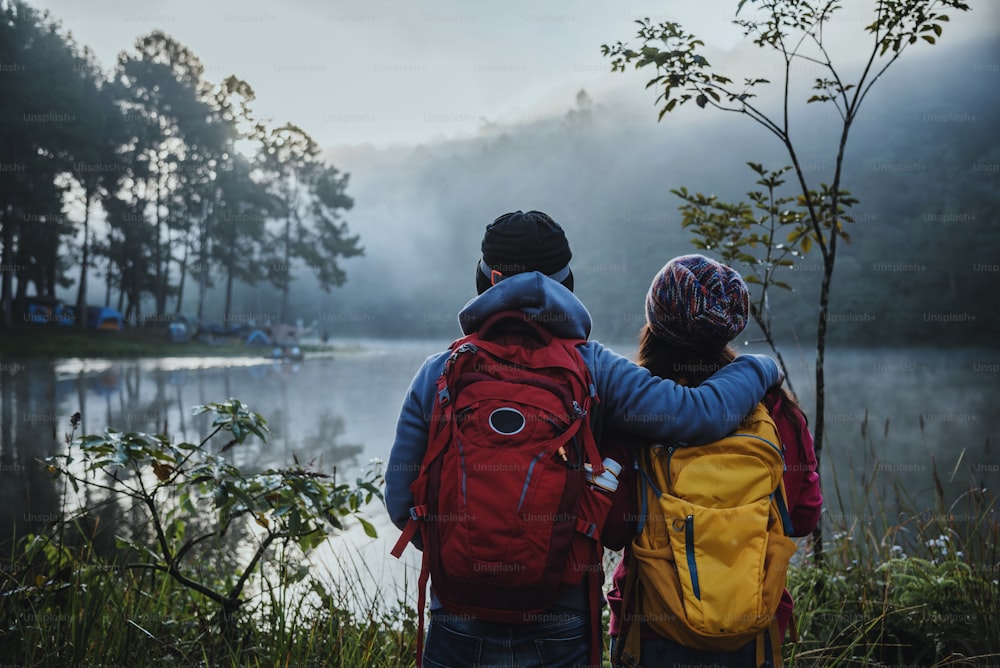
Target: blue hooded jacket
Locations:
point(631, 398)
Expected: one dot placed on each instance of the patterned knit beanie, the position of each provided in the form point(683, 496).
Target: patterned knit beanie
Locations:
point(517, 242)
point(696, 302)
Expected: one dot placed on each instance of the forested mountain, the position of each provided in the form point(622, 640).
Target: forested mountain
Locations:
point(922, 266)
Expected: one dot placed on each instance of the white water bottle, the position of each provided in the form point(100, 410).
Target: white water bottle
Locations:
point(607, 480)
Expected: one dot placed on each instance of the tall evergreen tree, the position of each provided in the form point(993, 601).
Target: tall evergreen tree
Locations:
point(163, 93)
point(43, 86)
point(312, 196)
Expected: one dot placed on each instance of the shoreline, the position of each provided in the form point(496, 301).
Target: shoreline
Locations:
point(72, 367)
point(28, 343)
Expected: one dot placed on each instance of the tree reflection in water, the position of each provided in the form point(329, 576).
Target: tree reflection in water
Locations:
point(153, 396)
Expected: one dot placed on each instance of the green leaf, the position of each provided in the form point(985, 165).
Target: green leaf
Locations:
point(279, 511)
point(123, 543)
point(186, 505)
point(371, 488)
point(244, 498)
point(177, 528)
point(368, 527)
point(221, 495)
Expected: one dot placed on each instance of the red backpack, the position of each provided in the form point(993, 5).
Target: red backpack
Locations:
point(501, 501)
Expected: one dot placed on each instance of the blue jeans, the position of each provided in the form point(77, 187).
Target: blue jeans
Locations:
point(665, 653)
point(559, 639)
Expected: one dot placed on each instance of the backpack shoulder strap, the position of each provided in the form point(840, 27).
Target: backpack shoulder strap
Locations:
point(436, 442)
point(786, 517)
point(421, 602)
point(767, 648)
point(417, 514)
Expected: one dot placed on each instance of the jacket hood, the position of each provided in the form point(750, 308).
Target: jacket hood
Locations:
point(545, 301)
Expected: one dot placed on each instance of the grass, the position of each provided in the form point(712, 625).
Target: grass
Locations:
point(922, 591)
point(50, 341)
point(875, 603)
point(69, 607)
point(900, 584)
point(919, 590)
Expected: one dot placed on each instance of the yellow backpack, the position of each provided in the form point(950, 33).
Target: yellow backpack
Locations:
point(711, 554)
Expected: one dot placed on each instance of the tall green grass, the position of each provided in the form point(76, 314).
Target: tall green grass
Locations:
point(902, 583)
point(66, 606)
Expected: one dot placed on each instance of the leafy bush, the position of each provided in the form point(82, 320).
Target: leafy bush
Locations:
point(208, 561)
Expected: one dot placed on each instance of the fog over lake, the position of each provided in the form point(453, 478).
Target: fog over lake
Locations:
point(893, 414)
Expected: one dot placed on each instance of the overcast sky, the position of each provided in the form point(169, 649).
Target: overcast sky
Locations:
point(388, 72)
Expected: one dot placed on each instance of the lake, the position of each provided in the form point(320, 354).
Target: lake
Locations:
point(891, 415)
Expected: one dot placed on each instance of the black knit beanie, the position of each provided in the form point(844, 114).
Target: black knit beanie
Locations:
point(517, 242)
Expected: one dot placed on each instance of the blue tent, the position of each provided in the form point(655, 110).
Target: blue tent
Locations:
point(178, 333)
point(258, 338)
point(40, 314)
point(65, 315)
point(104, 317)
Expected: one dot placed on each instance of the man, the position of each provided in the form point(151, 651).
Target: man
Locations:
point(525, 267)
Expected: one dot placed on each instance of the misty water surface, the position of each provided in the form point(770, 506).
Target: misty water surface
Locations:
point(892, 415)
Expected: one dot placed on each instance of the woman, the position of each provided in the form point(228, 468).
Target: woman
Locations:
point(694, 308)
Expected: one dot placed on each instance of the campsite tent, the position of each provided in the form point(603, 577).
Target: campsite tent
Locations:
point(46, 311)
point(104, 317)
point(39, 314)
point(258, 338)
point(178, 333)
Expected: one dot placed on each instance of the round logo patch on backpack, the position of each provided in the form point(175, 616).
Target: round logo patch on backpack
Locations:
point(507, 421)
